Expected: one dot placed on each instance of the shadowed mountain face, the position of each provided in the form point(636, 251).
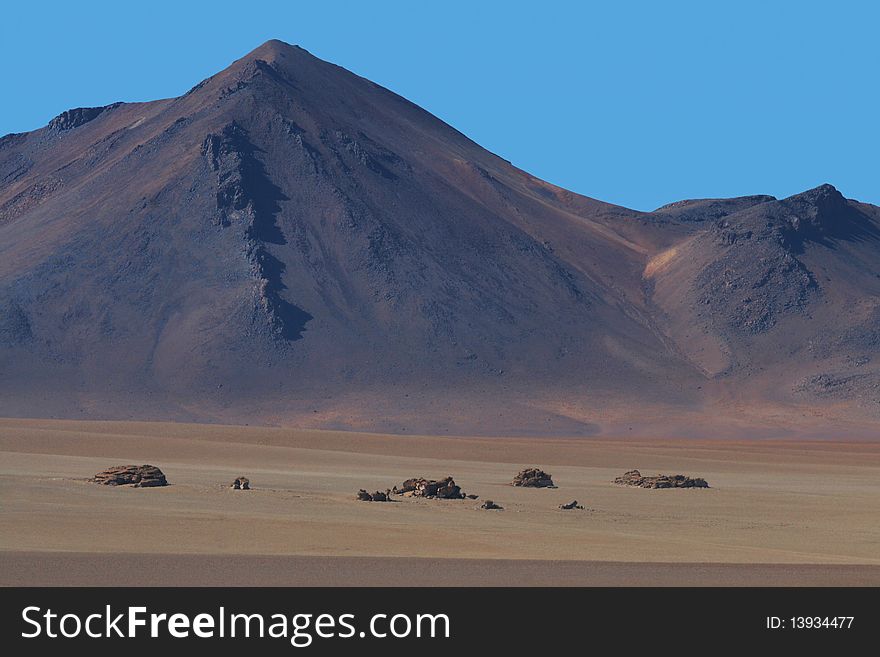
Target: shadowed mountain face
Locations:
point(290, 243)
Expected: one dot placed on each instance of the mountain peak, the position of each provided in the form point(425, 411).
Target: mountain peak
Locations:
point(823, 195)
point(274, 49)
point(819, 213)
point(819, 204)
point(277, 54)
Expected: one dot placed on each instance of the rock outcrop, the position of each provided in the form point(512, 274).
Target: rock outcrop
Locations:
point(137, 476)
point(246, 195)
point(445, 489)
point(241, 483)
point(533, 478)
point(635, 478)
point(73, 118)
point(571, 505)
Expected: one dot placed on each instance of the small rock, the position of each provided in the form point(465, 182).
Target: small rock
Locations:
point(241, 483)
point(378, 496)
point(490, 505)
point(571, 505)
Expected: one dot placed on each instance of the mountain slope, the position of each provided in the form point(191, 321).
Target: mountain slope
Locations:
point(290, 243)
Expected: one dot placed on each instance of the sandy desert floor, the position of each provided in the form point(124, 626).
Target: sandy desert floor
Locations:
point(778, 512)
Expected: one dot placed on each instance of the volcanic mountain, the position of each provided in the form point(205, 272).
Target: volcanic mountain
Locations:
point(289, 243)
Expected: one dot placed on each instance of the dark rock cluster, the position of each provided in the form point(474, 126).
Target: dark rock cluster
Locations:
point(420, 487)
point(73, 118)
point(533, 478)
point(241, 483)
point(138, 476)
point(635, 478)
point(378, 496)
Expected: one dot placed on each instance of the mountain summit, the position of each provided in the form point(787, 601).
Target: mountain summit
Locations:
point(289, 243)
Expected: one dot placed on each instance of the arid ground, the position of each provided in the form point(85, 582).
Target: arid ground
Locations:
point(777, 512)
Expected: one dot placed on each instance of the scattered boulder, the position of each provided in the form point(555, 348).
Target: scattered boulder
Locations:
point(635, 478)
point(241, 483)
point(571, 505)
point(444, 489)
point(378, 496)
point(533, 478)
point(490, 505)
point(137, 476)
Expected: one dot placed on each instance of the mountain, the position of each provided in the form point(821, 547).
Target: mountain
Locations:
point(289, 243)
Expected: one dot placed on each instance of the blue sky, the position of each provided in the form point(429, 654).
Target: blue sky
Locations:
point(636, 103)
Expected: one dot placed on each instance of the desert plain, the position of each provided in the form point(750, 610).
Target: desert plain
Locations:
point(778, 512)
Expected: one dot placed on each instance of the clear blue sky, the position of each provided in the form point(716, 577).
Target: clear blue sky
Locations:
point(637, 103)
